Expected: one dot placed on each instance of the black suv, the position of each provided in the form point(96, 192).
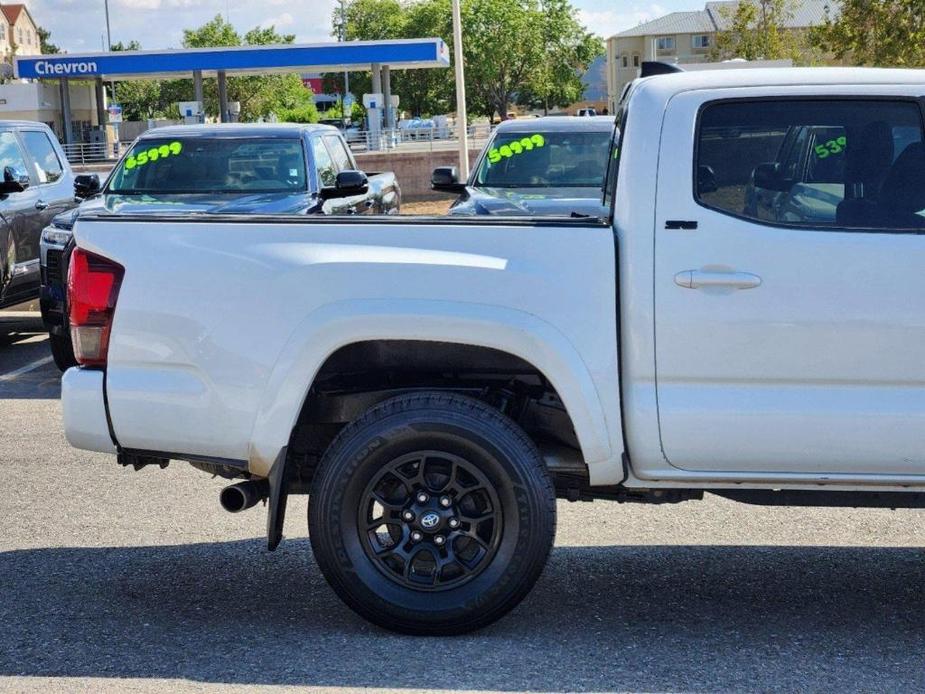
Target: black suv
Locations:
point(36, 183)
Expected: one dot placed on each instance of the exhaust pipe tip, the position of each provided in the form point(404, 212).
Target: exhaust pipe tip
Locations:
point(243, 495)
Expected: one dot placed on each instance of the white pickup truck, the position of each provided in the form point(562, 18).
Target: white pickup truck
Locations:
point(435, 384)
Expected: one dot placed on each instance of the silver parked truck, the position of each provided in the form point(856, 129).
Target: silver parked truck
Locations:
point(435, 384)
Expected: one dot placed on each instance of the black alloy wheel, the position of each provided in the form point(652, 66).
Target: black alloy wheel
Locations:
point(433, 520)
point(432, 513)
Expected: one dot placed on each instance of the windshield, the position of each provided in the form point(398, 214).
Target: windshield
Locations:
point(545, 159)
point(211, 165)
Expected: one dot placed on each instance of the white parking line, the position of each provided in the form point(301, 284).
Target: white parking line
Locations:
point(37, 364)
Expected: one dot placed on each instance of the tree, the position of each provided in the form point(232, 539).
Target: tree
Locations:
point(503, 49)
point(874, 32)
point(140, 99)
point(423, 92)
point(531, 51)
point(569, 49)
point(757, 30)
point(46, 47)
point(259, 96)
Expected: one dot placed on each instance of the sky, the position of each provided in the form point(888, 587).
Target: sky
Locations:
point(79, 26)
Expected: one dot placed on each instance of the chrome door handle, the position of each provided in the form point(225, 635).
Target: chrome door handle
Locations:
point(40, 204)
point(699, 279)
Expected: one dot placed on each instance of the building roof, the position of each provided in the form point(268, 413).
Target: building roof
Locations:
point(12, 12)
point(716, 17)
point(675, 23)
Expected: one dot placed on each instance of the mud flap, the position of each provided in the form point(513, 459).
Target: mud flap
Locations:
point(276, 504)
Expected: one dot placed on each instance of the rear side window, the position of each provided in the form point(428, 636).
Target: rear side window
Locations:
point(814, 163)
point(48, 167)
point(327, 174)
point(342, 159)
point(11, 154)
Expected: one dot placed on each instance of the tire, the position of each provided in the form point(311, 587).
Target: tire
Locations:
point(448, 446)
point(62, 351)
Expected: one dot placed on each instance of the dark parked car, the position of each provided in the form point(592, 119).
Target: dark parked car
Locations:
point(537, 166)
point(215, 169)
point(36, 184)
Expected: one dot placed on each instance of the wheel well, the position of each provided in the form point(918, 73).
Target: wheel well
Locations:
point(362, 374)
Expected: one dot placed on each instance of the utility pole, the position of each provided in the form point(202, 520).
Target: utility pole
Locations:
point(342, 36)
point(460, 94)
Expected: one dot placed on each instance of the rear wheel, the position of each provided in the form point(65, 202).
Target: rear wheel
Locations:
point(62, 351)
point(432, 514)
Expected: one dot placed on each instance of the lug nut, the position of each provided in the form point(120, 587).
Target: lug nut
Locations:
point(416, 536)
point(454, 523)
point(408, 516)
point(445, 501)
point(439, 540)
point(422, 498)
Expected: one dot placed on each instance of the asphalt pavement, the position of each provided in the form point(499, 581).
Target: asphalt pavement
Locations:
point(116, 580)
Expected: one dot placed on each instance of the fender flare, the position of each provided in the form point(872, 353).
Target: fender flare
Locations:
point(342, 323)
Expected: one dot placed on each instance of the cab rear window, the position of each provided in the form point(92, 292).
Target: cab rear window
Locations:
point(211, 165)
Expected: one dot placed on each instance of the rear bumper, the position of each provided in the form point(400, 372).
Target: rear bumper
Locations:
point(85, 423)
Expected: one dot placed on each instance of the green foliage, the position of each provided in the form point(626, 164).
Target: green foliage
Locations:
point(307, 113)
point(568, 51)
point(357, 113)
point(756, 30)
point(532, 50)
point(46, 47)
point(875, 32)
point(259, 96)
point(503, 47)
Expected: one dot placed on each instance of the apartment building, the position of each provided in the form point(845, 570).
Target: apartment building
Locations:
point(18, 31)
point(685, 38)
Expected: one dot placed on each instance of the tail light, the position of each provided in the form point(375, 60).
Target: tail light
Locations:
point(92, 289)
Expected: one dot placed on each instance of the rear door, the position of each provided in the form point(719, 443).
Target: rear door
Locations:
point(326, 176)
point(19, 272)
point(343, 161)
point(792, 344)
point(54, 185)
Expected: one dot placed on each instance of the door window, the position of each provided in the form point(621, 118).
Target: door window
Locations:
point(11, 154)
point(814, 163)
point(327, 174)
point(48, 167)
point(342, 159)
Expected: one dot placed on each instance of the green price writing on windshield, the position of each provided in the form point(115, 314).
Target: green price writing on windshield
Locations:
point(524, 144)
point(836, 146)
point(146, 156)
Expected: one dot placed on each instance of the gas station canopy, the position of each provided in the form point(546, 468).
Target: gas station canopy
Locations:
point(324, 57)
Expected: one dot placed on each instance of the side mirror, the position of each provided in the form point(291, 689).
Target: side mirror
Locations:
point(347, 184)
point(769, 177)
point(86, 185)
point(446, 179)
point(15, 180)
point(706, 179)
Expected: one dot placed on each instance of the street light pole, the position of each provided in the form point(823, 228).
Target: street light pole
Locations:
point(108, 35)
point(343, 37)
point(460, 94)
